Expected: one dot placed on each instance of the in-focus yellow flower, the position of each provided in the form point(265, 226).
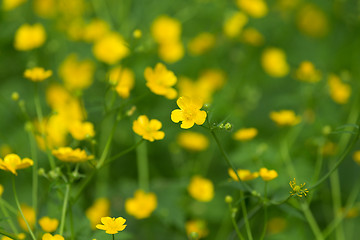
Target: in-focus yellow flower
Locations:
point(77, 75)
point(339, 92)
point(8, 5)
point(245, 134)
point(267, 175)
point(29, 215)
point(48, 236)
point(95, 30)
point(285, 118)
point(202, 43)
point(201, 189)
point(112, 225)
point(123, 79)
point(45, 8)
point(244, 174)
point(141, 205)
point(160, 81)
point(37, 74)
point(28, 37)
point(312, 21)
point(273, 61)
point(13, 162)
point(252, 37)
point(149, 130)
point(100, 208)
point(81, 130)
point(356, 157)
point(307, 72)
point(198, 226)
point(165, 29)
point(255, 8)
point(67, 154)
point(234, 25)
point(171, 52)
point(298, 190)
point(111, 48)
point(1, 190)
point(193, 141)
point(189, 112)
point(48, 224)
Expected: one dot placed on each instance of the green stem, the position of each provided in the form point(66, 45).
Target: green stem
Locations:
point(265, 212)
point(19, 208)
point(113, 236)
point(64, 208)
point(6, 215)
point(247, 224)
point(237, 230)
point(12, 236)
point(34, 174)
point(284, 151)
point(312, 222)
point(143, 167)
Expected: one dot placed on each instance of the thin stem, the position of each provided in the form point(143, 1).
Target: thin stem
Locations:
point(143, 167)
point(19, 208)
point(311, 220)
point(64, 208)
point(247, 224)
point(34, 174)
point(11, 236)
point(237, 230)
point(284, 150)
point(113, 236)
point(265, 211)
point(6, 215)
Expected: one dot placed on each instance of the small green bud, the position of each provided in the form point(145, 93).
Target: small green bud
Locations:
point(41, 172)
point(15, 96)
point(228, 126)
point(228, 199)
point(221, 126)
point(255, 193)
point(131, 111)
point(206, 106)
point(194, 236)
point(326, 130)
point(28, 126)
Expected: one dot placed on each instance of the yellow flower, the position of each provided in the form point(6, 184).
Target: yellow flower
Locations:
point(112, 225)
point(5, 150)
point(95, 30)
point(189, 112)
point(111, 48)
point(252, 37)
point(198, 226)
point(244, 174)
point(267, 175)
point(277, 224)
point(340, 92)
point(165, 29)
point(99, 209)
point(81, 130)
point(48, 236)
point(193, 141)
point(13, 162)
point(201, 189)
point(202, 43)
point(255, 8)
point(141, 205)
point(307, 72)
point(160, 81)
point(1, 190)
point(171, 52)
point(137, 33)
point(245, 134)
point(123, 79)
point(48, 224)
point(28, 37)
point(312, 21)
point(285, 118)
point(200, 88)
point(67, 154)
point(149, 130)
point(329, 149)
point(37, 74)
point(273, 61)
point(298, 190)
point(215, 78)
point(45, 8)
point(77, 75)
point(20, 236)
point(8, 5)
point(234, 25)
point(29, 215)
point(356, 157)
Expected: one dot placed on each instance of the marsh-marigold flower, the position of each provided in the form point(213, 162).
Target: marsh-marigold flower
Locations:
point(245, 134)
point(112, 225)
point(111, 48)
point(193, 141)
point(307, 72)
point(123, 79)
point(160, 81)
point(28, 37)
point(48, 224)
point(37, 74)
point(48, 236)
point(255, 8)
point(244, 174)
point(13, 162)
point(67, 154)
point(273, 61)
point(197, 226)
point(29, 215)
point(267, 175)
point(100, 208)
point(234, 25)
point(189, 112)
point(340, 92)
point(148, 129)
point(8, 5)
point(141, 205)
point(202, 43)
point(285, 118)
point(201, 189)
point(81, 130)
point(165, 29)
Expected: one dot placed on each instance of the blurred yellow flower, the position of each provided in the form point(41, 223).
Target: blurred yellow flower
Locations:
point(350, 213)
point(273, 61)
point(307, 72)
point(81, 130)
point(111, 48)
point(285, 118)
point(356, 157)
point(198, 226)
point(234, 25)
point(1, 190)
point(8, 5)
point(149, 130)
point(165, 29)
point(245, 134)
point(52, 132)
point(29, 215)
point(45, 8)
point(112, 225)
point(141, 205)
point(202, 43)
point(200, 88)
point(244, 174)
point(5, 149)
point(48, 224)
point(37, 74)
point(329, 149)
point(201, 189)
point(189, 112)
point(312, 21)
point(95, 30)
point(28, 37)
point(48, 236)
point(77, 75)
point(267, 175)
point(255, 8)
point(252, 37)
point(67, 154)
point(171, 52)
point(100, 208)
point(13, 162)
point(20, 236)
point(160, 81)
point(215, 78)
point(123, 79)
point(193, 141)
point(339, 92)
point(137, 33)
point(276, 225)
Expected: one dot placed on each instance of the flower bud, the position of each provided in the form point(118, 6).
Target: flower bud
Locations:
point(228, 199)
point(15, 96)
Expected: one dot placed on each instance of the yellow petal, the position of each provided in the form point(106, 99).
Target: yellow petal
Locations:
point(177, 115)
point(200, 117)
point(187, 124)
